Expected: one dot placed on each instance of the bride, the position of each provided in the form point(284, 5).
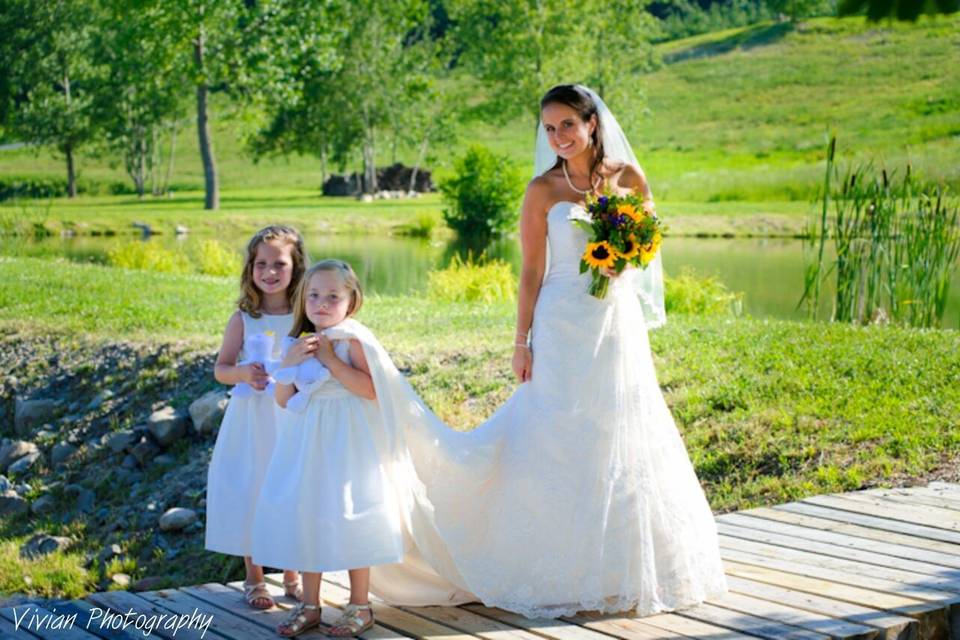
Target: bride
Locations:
point(577, 494)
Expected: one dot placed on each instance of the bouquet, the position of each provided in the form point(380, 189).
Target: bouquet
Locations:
point(624, 230)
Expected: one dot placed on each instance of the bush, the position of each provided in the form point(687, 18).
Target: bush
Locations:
point(482, 199)
point(705, 296)
point(147, 256)
point(469, 281)
point(422, 226)
point(214, 258)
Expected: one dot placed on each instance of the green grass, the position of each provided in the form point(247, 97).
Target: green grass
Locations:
point(770, 410)
point(739, 115)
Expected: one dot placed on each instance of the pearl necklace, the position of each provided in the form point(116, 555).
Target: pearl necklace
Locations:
point(593, 185)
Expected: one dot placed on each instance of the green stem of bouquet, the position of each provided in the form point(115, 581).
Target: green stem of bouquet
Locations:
point(599, 285)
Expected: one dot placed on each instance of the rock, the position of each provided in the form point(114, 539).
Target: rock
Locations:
point(144, 452)
point(181, 230)
point(41, 544)
point(14, 451)
point(23, 464)
point(119, 440)
point(28, 413)
point(177, 518)
point(167, 425)
point(207, 411)
point(99, 399)
point(122, 580)
point(108, 552)
point(12, 504)
point(366, 197)
point(149, 583)
point(129, 462)
point(61, 452)
point(164, 459)
point(44, 505)
point(86, 500)
point(5, 484)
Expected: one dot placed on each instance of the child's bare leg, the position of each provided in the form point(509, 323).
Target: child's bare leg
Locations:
point(258, 598)
point(306, 615)
point(354, 621)
point(291, 584)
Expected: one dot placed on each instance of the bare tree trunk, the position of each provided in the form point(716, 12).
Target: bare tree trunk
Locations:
point(212, 199)
point(156, 159)
point(369, 164)
point(71, 173)
point(416, 167)
point(173, 148)
point(68, 148)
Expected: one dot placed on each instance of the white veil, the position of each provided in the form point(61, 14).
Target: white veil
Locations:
point(648, 282)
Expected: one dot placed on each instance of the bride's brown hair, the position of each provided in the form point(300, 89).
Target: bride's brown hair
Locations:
point(580, 101)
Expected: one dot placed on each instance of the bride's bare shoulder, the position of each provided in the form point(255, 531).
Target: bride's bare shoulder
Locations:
point(542, 189)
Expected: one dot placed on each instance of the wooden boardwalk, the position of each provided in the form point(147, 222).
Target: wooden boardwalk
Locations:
point(881, 564)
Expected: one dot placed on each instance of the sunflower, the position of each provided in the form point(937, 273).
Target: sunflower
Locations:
point(631, 248)
point(649, 251)
point(627, 209)
point(600, 255)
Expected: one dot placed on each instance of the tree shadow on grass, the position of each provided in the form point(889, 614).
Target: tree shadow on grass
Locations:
point(756, 36)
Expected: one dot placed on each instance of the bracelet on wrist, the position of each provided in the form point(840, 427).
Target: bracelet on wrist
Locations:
point(521, 344)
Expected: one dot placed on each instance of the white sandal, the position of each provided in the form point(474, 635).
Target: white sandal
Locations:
point(257, 591)
point(293, 589)
point(296, 623)
point(351, 621)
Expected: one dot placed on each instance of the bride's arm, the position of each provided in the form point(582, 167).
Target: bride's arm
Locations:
point(533, 236)
point(634, 179)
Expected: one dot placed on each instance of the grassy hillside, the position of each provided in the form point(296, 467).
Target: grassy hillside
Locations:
point(735, 115)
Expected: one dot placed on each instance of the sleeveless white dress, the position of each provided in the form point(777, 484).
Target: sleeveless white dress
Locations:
point(578, 493)
point(325, 504)
point(242, 452)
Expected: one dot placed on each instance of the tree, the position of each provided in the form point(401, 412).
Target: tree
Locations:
point(521, 49)
point(143, 92)
point(49, 76)
point(345, 105)
point(899, 9)
point(794, 9)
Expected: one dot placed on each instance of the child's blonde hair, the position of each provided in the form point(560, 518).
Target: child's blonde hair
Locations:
point(301, 323)
point(250, 296)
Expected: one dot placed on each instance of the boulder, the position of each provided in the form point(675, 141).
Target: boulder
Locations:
point(61, 452)
point(22, 465)
point(119, 441)
point(144, 452)
point(206, 412)
point(14, 451)
point(12, 504)
point(28, 413)
point(167, 425)
point(177, 518)
point(44, 505)
point(41, 544)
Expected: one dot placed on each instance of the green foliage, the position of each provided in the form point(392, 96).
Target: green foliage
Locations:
point(896, 240)
point(794, 9)
point(60, 574)
point(900, 9)
point(147, 256)
point(213, 258)
point(469, 281)
point(423, 225)
point(691, 293)
point(686, 18)
point(481, 199)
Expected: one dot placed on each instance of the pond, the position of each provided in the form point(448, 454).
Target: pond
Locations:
point(769, 272)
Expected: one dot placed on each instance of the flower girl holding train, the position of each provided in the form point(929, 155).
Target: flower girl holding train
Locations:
point(274, 266)
point(326, 503)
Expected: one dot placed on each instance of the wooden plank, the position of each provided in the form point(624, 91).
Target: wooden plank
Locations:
point(392, 617)
point(853, 530)
point(868, 552)
point(931, 617)
point(225, 623)
point(906, 582)
point(944, 486)
point(124, 601)
point(887, 626)
point(92, 616)
point(842, 542)
point(915, 497)
point(9, 631)
point(691, 628)
point(844, 514)
point(802, 618)
point(753, 625)
point(948, 497)
point(622, 626)
point(50, 623)
point(927, 516)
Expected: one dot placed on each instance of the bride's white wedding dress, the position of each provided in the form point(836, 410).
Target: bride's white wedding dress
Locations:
point(577, 494)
